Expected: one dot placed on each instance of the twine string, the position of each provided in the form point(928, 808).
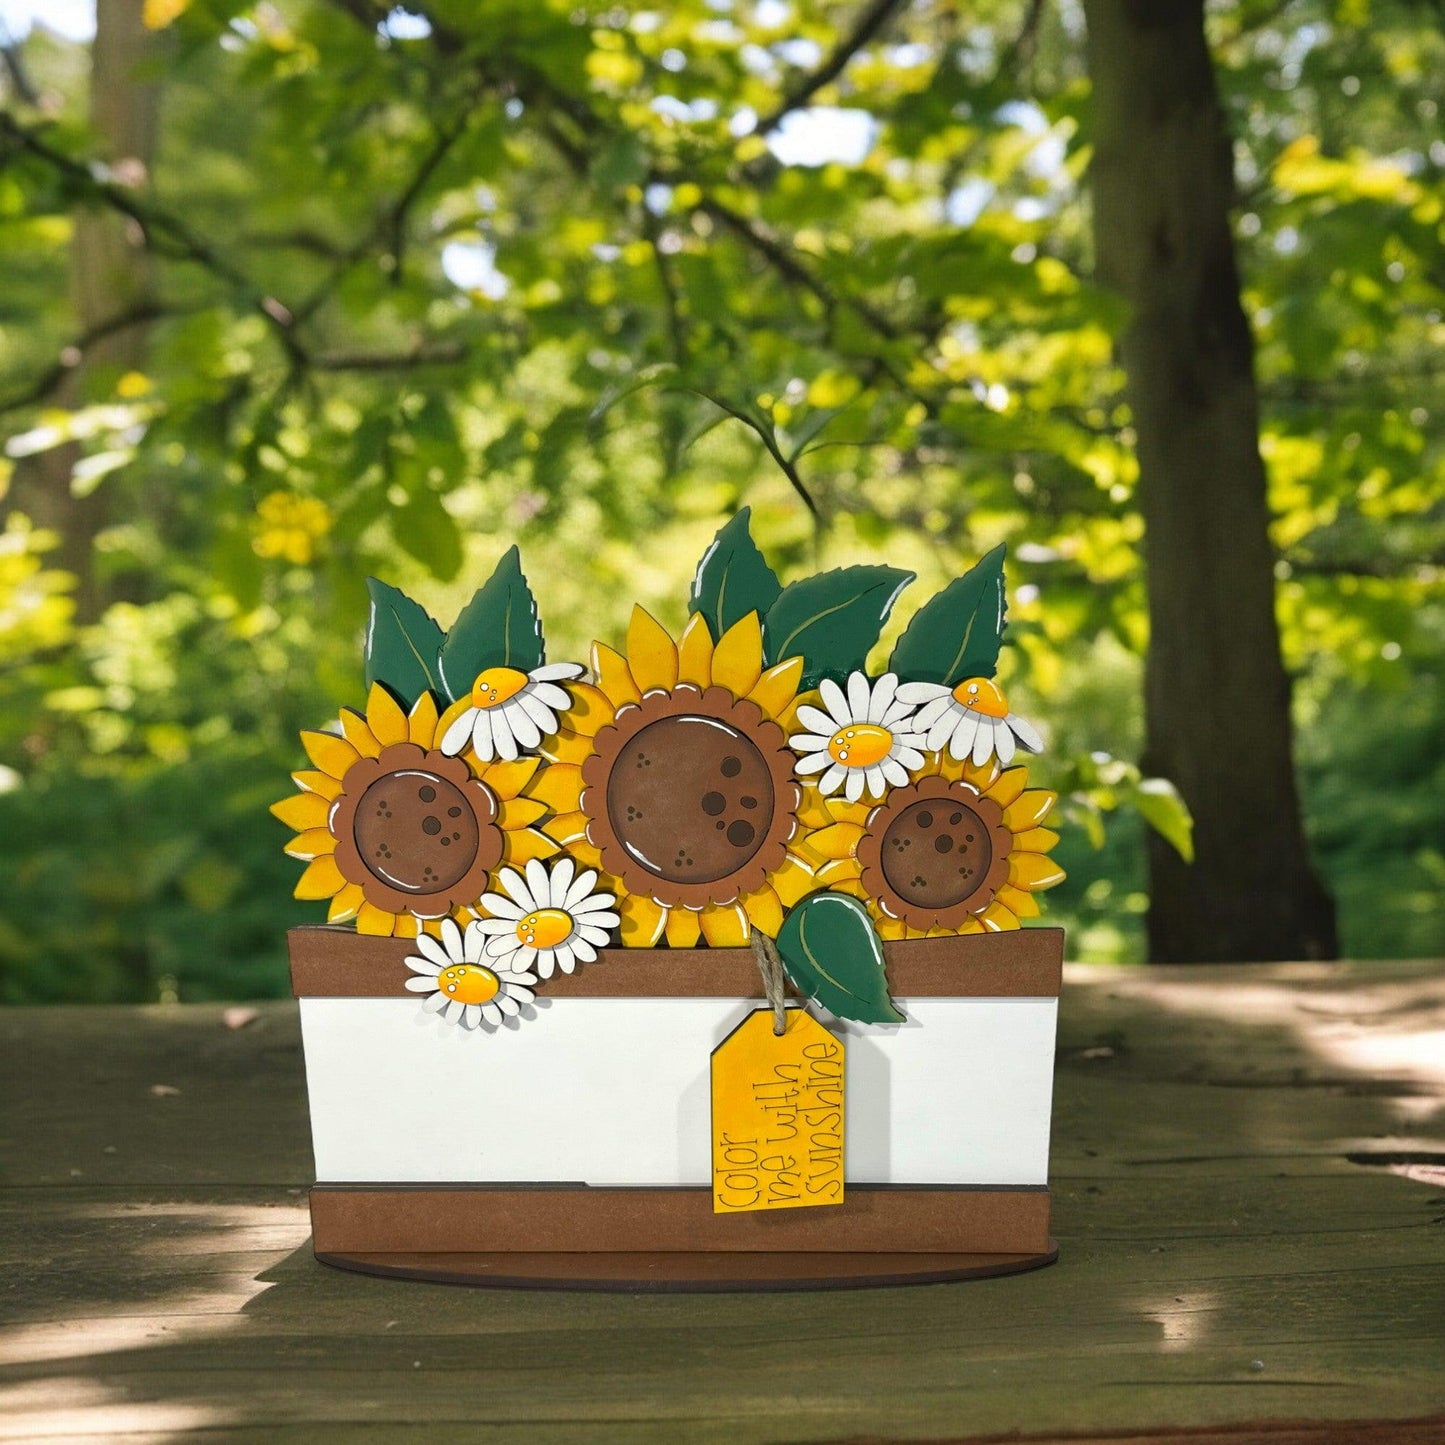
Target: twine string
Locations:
point(770, 965)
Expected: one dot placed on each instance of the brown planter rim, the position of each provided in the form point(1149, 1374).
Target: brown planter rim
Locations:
point(330, 961)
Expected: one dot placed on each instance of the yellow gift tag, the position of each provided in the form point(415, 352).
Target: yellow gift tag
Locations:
point(777, 1115)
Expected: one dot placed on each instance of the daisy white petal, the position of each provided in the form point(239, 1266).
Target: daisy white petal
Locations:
point(502, 736)
point(503, 908)
point(522, 995)
point(603, 920)
point(884, 691)
point(516, 885)
point(853, 786)
point(524, 958)
point(566, 958)
point(963, 736)
point(858, 697)
point(546, 962)
point(492, 1014)
point(538, 883)
point(594, 936)
point(582, 950)
point(812, 763)
point(512, 979)
point(807, 742)
point(941, 731)
point(456, 736)
point(473, 942)
point(895, 772)
point(482, 734)
point(491, 926)
point(453, 1010)
point(526, 732)
point(451, 938)
point(436, 1003)
point(983, 744)
point(562, 875)
point(1025, 733)
point(581, 887)
point(832, 780)
point(921, 692)
point(424, 966)
point(538, 711)
point(931, 712)
point(556, 671)
point(557, 698)
point(508, 1005)
point(432, 949)
point(500, 947)
point(421, 985)
point(906, 758)
point(472, 1015)
point(817, 721)
point(1004, 743)
point(876, 780)
point(595, 904)
point(834, 701)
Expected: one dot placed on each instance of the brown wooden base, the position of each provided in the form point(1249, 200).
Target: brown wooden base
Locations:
point(688, 1272)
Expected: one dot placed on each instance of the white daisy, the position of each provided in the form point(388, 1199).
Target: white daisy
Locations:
point(864, 738)
point(460, 987)
point(970, 719)
point(548, 921)
point(511, 710)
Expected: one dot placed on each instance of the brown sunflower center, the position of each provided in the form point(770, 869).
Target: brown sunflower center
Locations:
point(690, 799)
point(416, 831)
point(936, 852)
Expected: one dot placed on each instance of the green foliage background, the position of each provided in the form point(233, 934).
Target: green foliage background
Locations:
point(656, 307)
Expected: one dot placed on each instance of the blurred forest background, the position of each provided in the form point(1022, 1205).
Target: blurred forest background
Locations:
point(295, 292)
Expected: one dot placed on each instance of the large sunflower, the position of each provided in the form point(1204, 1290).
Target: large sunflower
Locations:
point(395, 830)
point(960, 850)
point(673, 777)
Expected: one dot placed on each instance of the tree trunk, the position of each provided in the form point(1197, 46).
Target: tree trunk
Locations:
point(1217, 698)
point(110, 276)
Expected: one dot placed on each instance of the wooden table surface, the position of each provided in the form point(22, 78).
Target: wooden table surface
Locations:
point(1249, 1176)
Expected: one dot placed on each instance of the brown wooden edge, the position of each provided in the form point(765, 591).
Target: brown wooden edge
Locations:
point(336, 962)
point(691, 1273)
point(424, 1219)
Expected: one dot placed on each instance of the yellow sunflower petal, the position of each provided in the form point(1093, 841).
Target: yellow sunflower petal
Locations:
point(1031, 808)
point(1009, 787)
point(839, 841)
point(890, 928)
point(813, 811)
point(651, 655)
point(725, 926)
point(333, 755)
point(682, 928)
point(588, 855)
point(559, 787)
point(303, 810)
point(507, 780)
point(521, 813)
point(567, 748)
point(322, 784)
point(312, 843)
point(568, 828)
point(322, 879)
point(614, 677)
point(346, 904)
point(998, 917)
point(765, 911)
point(841, 875)
point(642, 921)
point(972, 926)
point(421, 723)
point(358, 734)
point(376, 921)
point(842, 811)
point(524, 844)
point(384, 716)
point(1025, 905)
point(1033, 871)
point(778, 686)
point(794, 880)
point(737, 661)
point(408, 925)
point(1035, 840)
point(591, 709)
point(694, 653)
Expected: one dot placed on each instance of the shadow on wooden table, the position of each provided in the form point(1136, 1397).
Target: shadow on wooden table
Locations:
point(1224, 1259)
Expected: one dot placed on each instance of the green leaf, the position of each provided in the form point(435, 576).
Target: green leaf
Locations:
point(499, 627)
point(831, 620)
point(1159, 804)
point(956, 634)
point(832, 953)
point(402, 642)
point(733, 578)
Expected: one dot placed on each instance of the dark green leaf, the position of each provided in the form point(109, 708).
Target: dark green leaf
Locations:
point(832, 619)
point(832, 953)
point(733, 578)
point(402, 642)
point(956, 634)
point(499, 627)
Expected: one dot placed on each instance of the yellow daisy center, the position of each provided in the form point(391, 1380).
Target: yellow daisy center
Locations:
point(982, 696)
point(861, 745)
point(469, 983)
point(544, 927)
point(497, 685)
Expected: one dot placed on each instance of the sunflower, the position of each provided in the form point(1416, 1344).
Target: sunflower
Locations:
point(398, 833)
point(672, 777)
point(959, 850)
